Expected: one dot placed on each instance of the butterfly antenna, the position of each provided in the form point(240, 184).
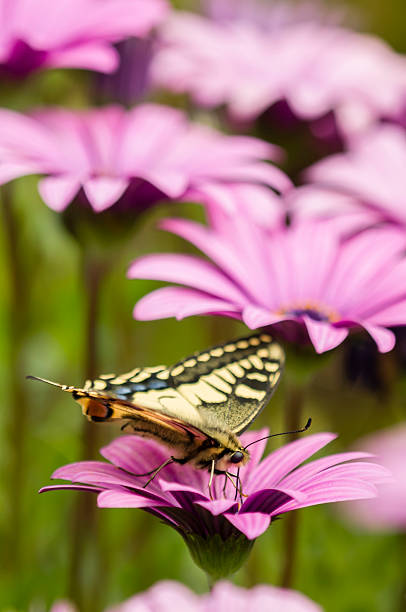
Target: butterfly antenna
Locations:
point(50, 382)
point(282, 433)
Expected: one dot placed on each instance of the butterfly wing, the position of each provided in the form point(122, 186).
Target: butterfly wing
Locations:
point(223, 389)
point(145, 394)
point(231, 383)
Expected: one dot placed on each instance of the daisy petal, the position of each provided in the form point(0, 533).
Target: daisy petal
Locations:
point(324, 336)
point(283, 460)
point(58, 192)
point(103, 192)
point(251, 524)
point(384, 338)
point(178, 302)
point(120, 499)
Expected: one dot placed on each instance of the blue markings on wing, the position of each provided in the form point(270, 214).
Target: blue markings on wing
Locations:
point(155, 383)
point(124, 392)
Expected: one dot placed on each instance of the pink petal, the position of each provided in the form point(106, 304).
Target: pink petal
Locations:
point(217, 506)
point(67, 487)
point(267, 501)
point(93, 55)
point(392, 315)
point(259, 172)
point(179, 486)
point(252, 524)
point(324, 336)
point(172, 182)
point(254, 317)
point(71, 471)
point(186, 270)
point(335, 491)
point(58, 191)
point(178, 302)
point(103, 192)
point(212, 244)
point(134, 454)
point(119, 499)
point(279, 463)
point(301, 474)
point(11, 170)
point(384, 338)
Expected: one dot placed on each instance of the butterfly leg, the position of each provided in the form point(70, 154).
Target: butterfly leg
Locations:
point(155, 471)
point(225, 485)
point(237, 485)
point(212, 471)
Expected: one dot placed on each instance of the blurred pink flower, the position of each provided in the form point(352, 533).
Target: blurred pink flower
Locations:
point(168, 596)
point(71, 33)
point(152, 151)
point(371, 173)
point(264, 206)
point(388, 511)
point(342, 211)
point(250, 59)
point(179, 495)
point(63, 606)
point(303, 277)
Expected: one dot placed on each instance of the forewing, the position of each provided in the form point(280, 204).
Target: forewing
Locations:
point(229, 384)
point(144, 392)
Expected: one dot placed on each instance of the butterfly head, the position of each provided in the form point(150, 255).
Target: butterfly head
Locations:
point(236, 458)
point(225, 450)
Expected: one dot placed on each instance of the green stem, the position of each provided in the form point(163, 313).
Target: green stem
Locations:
point(402, 593)
point(18, 401)
point(294, 417)
point(85, 519)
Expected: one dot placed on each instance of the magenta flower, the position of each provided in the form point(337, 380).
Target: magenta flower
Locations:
point(371, 173)
point(71, 33)
point(179, 495)
point(388, 511)
point(249, 60)
point(151, 152)
point(303, 279)
point(168, 596)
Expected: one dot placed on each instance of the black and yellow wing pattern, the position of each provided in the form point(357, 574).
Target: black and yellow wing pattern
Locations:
point(224, 387)
point(199, 406)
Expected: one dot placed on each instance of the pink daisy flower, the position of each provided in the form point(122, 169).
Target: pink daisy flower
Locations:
point(149, 153)
point(371, 173)
point(71, 33)
point(303, 278)
point(179, 494)
point(388, 511)
point(249, 60)
point(167, 596)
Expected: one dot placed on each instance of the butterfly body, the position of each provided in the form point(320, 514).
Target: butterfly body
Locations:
point(199, 406)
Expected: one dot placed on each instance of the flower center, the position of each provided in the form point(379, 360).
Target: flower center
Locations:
point(316, 315)
point(313, 311)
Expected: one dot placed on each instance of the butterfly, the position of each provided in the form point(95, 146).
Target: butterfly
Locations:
point(198, 407)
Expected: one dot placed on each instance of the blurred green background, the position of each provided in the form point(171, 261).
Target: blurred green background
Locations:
point(44, 333)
